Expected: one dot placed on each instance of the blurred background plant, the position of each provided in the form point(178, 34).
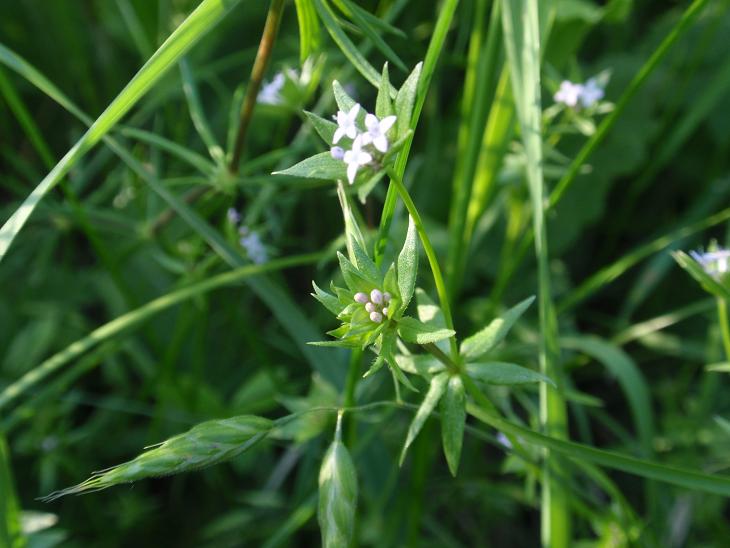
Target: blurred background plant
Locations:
point(139, 231)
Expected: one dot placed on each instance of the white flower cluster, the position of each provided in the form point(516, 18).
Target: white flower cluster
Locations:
point(715, 263)
point(365, 144)
point(579, 95)
point(376, 304)
point(250, 240)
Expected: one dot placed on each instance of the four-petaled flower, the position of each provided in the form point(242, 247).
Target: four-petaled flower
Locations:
point(346, 124)
point(377, 130)
point(355, 158)
point(569, 93)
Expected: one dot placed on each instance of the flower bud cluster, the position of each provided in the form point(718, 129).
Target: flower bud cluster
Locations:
point(376, 304)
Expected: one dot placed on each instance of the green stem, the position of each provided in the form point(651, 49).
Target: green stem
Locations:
point(724, 326)
point(441, 356)
point(429, 66)
point(438, 278)
point(353, 375)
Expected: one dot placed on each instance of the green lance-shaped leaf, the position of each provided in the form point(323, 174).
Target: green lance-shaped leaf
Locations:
point(204, 445)
point(320, 166)
point(325, 128)
point(330, 302)
point(708, 283)
point(453, 419)
point(435, 391)
point(337, 494)
point(413, 331)
point(343, 99)
point(408, 264)
point(504, 373)
point(405, 99)
point(485, 340)
point(383, 104)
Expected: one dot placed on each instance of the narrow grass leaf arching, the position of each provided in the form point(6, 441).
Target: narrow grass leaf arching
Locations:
point(202, 20)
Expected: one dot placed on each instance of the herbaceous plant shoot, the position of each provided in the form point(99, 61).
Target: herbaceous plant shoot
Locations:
point(364, 273)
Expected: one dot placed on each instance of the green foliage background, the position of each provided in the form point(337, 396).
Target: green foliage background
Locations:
point(637, 337)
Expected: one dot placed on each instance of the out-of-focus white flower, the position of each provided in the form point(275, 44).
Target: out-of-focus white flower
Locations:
point(346, 124)
point(251, 242)
point(270, 93)
point(234, 217)
point(355, 158)
point(377, 130)
point(716, 263)
point(569, 93)
point(591, 93)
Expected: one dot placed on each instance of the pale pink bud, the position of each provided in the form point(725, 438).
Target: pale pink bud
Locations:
point(377, 317)
point(376, 296)
point(370, 307)
point(386, 297)
point(361, 297)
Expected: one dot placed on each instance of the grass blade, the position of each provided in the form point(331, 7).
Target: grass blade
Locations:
point(197, 24)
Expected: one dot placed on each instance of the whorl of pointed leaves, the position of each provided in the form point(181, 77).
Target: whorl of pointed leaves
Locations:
point(204, 445)
point(337, 494)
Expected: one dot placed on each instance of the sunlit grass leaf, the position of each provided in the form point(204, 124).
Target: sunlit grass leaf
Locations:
point(453, 420)
point(413, 331)
point(630, 378)
point(337, 495)
point(309, 32)
point(198, 23)
point(407, 265)
point(363, 20)
point(722, 367)
point(435, 391)
point(350, 50)
point(204, 445)
point(485, 340)
point(724, 424)
point(504, 373)
point(682, 477)
point(10, 525)
point(405, 99)
point(320, 166)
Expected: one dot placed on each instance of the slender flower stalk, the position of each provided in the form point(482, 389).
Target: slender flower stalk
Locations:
point(430, 254)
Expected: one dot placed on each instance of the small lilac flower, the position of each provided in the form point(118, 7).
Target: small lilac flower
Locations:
point(376, 317)
point(338, 153)
point(569, 93)
point(234, 217)
point(503, 440)
point(270, 93)
point(591, 93)
point(355, 158)
point(361, 297)
point(715, 263)
point(377, 130)
point(346, 124)
point(251, 242)
point(370, 307)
